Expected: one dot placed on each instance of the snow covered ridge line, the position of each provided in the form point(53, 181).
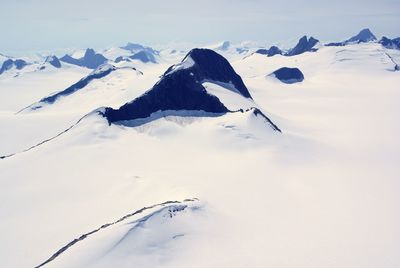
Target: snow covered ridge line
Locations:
point(99, 73)
point(50, 139)
point(171, 206)
point(154, 116)
point(396, 65)
point(257, 112)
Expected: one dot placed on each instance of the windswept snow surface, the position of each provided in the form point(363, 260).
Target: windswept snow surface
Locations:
point(22, 130)
point(323, 193)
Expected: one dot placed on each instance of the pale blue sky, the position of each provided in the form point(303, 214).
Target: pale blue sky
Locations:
point(28, 25)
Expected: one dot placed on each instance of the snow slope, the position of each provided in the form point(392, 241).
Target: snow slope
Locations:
point(323, 193)
point(118, 87)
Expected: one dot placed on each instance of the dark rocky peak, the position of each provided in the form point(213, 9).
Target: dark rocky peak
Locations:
point(90, 60)
point(304, 45)
point(180, 89)
point(10, 63)
point(390, 43)
point(272, 51)
point(180, 92)
point(207, 65)
point(89, 53)
point(365, 35)
point(288, 75)
point(53, 60)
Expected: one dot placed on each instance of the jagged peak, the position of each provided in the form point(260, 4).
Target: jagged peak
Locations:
point(89, 52)
point(10, 63)
point(365, 35)
point(181, 88)
point(303, 45)
point(207, 65)
point(53, 60)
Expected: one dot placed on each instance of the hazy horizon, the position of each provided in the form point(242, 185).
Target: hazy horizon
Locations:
point(46, 25)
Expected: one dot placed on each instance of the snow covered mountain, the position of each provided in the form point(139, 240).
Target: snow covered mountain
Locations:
point(304, 45)
point(133, 47)
point(99, 73)
point(182, 89)
point(390, 43)
point(9, 64)
point(144, 56)
point(184, 168)
point(272, 51)
point(53, 60)
point(90, 60)
point(3, 58)
point(364, 36)
point(232, 51)
point(132, 51)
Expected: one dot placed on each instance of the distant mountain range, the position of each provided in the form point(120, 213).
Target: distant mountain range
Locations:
point(90, 60)
point(364, 36)
point(133, 52)
point(304, 44)
point(309, 44)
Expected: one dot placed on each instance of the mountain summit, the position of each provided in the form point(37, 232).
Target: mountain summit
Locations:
point(364, 36)
point(10, 63)
point(390, 43)
point(181, 89)
point(53, 60)
point(304, 45)
point(90, 60)
point(272, 51)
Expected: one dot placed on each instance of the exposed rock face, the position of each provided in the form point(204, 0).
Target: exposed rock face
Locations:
point(181, 89)
point(10, 63)
point(54, 61)
point(97, 74)
point(364, 36)
point(390, 43)
point(90, 60)
point(272, 51)
point(289, 75)
point(304, 45)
